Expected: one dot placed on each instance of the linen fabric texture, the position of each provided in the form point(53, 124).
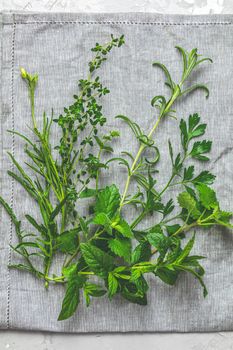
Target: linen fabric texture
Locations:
point(57, 47)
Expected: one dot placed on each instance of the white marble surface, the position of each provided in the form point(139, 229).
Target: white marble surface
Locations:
point(14, 340)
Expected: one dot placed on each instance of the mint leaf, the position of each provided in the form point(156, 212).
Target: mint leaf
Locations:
point(196, 274)
point(71, 299)
point(112, 285)
point(103, 219)
point(92, 290)
point(123, 227)
point(167, 275)
point(187, 249)
point(98, 261)
point(87, 193)
point(141, 253)
point(69, 271)
point(108, 201)
point(130, 293)
point(121, 247)
point(68, 241)
point(159, 241)
point(171, 229)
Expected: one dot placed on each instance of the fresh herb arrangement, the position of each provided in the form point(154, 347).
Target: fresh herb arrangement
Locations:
point(103, 252)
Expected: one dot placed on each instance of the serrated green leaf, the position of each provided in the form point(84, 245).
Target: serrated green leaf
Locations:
point(207, 196)
point(98, 261)
point(108, 201)
point(186, 251)
point(71, 299)
point(204, 177)
point(193, 121)
point(68, 241)
point(187, 202)
point(103, 219)
point(159, 241)
point(200, 148)
point(188, 173)
point(167, 275)
point(121, 247)
point(184, 133)
point(87, 193)
point(198, 276)
point(123, 227)
point(92, 290)
point(131, 293)
point(168, 208)
point(141, 253)
point(112, 285)
point(171, 229)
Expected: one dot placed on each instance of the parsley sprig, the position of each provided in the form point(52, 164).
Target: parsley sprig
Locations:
point(103, 243)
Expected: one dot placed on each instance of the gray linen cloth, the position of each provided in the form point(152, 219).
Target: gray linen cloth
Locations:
point(57, 47)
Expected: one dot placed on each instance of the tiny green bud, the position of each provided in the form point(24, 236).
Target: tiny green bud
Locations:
point(23, 73)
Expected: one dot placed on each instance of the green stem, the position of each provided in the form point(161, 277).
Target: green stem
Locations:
point(138, 219)
point(67, 263)
point(98, 171)
point(142, 147)
point(32, 100)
